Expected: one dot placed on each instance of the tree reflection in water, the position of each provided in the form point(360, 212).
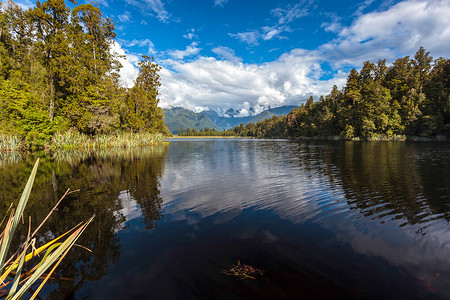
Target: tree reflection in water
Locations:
point(101, 177)
point(387, 180)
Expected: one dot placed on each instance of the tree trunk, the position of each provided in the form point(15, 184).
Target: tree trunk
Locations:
point(52, 102)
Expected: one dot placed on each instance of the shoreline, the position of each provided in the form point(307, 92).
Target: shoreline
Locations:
point(397, 138)
point(206, 137)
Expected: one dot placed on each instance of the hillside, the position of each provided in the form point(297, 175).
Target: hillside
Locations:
point(180, 118)
point(229, 120)
point(267, 114)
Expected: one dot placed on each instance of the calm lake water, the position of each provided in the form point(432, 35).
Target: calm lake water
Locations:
point(337, 220)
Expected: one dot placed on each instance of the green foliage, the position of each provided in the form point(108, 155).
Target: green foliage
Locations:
point(22, 116)
point(206, 132)
point(412, 97)
point(57, 71)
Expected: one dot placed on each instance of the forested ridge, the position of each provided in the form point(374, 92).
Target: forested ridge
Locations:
point(410, 98)
point(58, 73)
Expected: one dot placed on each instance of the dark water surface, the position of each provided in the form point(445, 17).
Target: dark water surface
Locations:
point(336, 220)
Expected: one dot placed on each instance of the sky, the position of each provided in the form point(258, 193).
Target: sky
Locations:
point(243, 54)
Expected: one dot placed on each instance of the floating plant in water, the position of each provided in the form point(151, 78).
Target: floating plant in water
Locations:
point(243, 271)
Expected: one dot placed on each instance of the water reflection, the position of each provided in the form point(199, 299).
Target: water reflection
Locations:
point(116, 186)
point(391, 181)
point(324, 219)
point(388, 200)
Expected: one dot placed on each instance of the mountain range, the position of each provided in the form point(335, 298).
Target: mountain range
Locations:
point(178, 118)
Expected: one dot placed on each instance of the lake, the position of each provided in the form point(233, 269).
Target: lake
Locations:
point(321, 219)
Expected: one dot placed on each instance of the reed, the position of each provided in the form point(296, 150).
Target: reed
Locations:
point(10, 143)
point(74, 140)
point(14, 282)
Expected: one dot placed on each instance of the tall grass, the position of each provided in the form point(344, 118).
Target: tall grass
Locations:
point(10, 143)
point(14, 282)
point(74, 140)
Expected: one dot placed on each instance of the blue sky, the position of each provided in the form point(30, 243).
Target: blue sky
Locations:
point(257, 53)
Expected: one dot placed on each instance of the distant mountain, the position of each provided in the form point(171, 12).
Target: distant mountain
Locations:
point(282, 110)
point(267, 114)
point(228, 120)
point(180, 118)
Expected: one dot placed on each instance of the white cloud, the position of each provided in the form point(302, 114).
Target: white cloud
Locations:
point(140, 43)
point(274, 31)
point(284, 17)
point(400, 30)
point(334, 25)
point(190, 50)
point(249, 37)
point(226, 53)
point(208, 82)
point(156, 6)
point(129, 70)
point(125, 17)
point(363, 6)
point(226, 81)
point(190, 35)
point(102, 2)
point(220, 3)
point(290, 13)
point(24, 4)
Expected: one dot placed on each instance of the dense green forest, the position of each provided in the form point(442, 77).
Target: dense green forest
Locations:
point(58, 73)
point(205, 132)
point(409, 98)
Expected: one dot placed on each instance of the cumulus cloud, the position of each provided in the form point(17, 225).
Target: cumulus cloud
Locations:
point(400, 30)
point(190, 35)
point(190, 50)
point(227, 82)
point(208, 82)
point(129, 70)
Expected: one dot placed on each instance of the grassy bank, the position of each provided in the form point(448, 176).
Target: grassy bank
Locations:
point(74, 140)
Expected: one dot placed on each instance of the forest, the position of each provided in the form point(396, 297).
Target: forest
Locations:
point(410, 98)
point(58, 74)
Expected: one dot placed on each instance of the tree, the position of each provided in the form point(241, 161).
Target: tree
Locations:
point(50, 20)
point(142, 99)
